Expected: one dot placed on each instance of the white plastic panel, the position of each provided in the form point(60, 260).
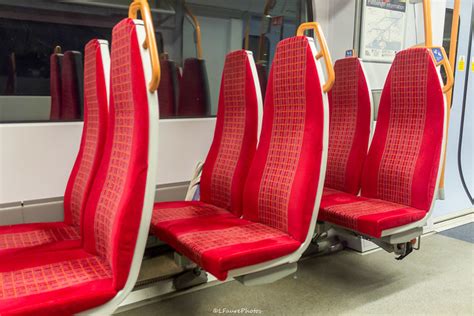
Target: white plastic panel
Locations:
point(36, 158)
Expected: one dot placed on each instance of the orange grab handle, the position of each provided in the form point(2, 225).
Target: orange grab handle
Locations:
point(197, 28)
point(324, 52)
point(150, 41)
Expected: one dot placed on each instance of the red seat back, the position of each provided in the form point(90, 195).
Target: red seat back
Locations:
point(235, 136)
point(288, 169)
point(403, 161)
point(168, 89)
point(115, 208)
point(194, 89)
point(96, 75)
point(349, 126)
point(71, 86)
point(55, 85)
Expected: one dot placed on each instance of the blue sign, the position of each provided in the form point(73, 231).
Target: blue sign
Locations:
point(349, 53)
point(438, 55)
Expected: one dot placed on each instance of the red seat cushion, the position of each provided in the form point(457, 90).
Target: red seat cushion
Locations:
point(404, 157)
point(168, 88)
point(222, 243)
point(281, 191)
point(93, 134)
point(367, 216)
point(71, 102)
point(349, 126)
point(62, 283)
point(55, 85)
point(167, 214)
point(38, 237)
point(235, 138)
point(194, 89)
point(53, 236)
point(401, 169)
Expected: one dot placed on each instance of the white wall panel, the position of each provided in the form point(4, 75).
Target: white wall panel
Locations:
point(36, 159)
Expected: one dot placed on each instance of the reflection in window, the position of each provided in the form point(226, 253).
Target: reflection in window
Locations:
point(33, 76)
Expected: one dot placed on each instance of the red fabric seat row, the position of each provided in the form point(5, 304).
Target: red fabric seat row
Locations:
point(102, 271)
point(66, 72)
point(67, 234)
point(242, 221)
point(401, 170)
point(55, 64)
point(350, 120)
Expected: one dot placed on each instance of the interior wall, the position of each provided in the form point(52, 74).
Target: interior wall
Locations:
point(36, 158)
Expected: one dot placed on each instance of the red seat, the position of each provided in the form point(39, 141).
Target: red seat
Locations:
point(55, 85)
point(194, 89)
point(401, 171)
point(118, 211)
point(367, 216)
point(232, 149)
point(168, 89)
point(71, 86)
point(280, 195)
point(67, 234)
point(350, 114)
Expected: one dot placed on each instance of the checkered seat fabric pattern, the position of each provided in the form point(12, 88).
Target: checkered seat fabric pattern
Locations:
point(232, 150)
point(349, 126)
point(402, 166)
point(53, 236)
point(280, 192)
point(70, 281)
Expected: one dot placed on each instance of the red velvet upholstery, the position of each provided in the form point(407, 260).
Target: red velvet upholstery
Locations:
point(67, 282)
point(280, 194)
point(367, 216)
point(235, 137)
point(61, 283)
point(167, 214)
point(404, 157)
point(64, 235)
point(285, 172)
point(93, 135)
point(401, 169)
point(117, 193)
point(349, 126)
point(70, 87)
point(194, 89)
point(55, 85)
point(222, 243)
point(168, 89)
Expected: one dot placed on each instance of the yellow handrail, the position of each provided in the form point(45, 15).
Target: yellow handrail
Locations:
point(197, 28)
point(453, 42)
point(452, 59)
point(150, 41)
point(427, 22)
point(324, 52)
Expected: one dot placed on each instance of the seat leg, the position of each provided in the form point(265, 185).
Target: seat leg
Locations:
point(189, 279)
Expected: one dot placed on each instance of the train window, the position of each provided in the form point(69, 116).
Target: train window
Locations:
point(193, 38)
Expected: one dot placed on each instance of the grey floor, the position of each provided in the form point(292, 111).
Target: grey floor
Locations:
point(464, 232)
point(437, 280)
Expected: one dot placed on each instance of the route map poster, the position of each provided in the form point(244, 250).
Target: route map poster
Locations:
point(383, 29)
